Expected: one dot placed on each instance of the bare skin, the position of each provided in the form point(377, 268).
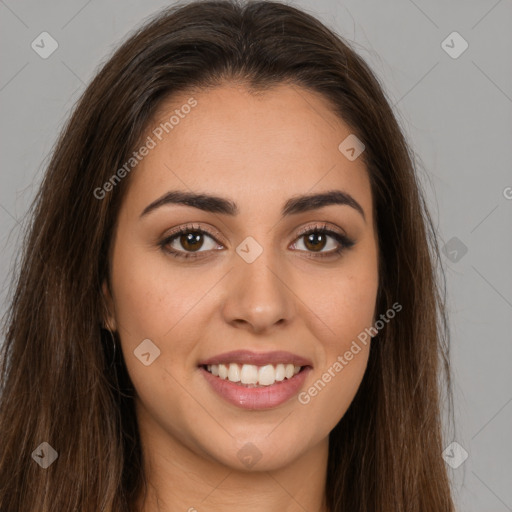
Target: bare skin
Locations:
point(258, 151)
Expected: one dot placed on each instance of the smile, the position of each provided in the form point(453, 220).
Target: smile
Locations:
point(255, 395)
point(251, 375)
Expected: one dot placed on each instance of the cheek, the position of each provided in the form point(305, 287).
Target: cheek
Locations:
point(164, 304)
point(151, 297)
point(347, 309)
point(343, 303)
point(346, 344)
point(351, 307)
point(154, 302)
point(327, 397)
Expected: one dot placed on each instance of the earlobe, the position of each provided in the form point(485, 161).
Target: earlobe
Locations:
point(108, 320)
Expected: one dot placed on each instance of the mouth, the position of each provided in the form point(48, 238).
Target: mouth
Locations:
point(253, 380)
point(253, 376)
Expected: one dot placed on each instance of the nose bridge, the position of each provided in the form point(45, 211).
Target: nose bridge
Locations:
point(258, 295)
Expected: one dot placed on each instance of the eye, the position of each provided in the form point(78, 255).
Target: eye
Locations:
point(191, 238)
point(315, 239)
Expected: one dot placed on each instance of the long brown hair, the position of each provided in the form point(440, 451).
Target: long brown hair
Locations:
point(60, 381)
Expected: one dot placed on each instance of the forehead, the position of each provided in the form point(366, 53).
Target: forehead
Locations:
point(255, 148)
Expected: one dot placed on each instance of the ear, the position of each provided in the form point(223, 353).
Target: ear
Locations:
point(108, 320)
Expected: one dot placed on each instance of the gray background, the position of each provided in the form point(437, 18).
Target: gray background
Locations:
point(456, 113)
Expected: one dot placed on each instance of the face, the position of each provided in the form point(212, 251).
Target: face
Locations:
point(251, 278)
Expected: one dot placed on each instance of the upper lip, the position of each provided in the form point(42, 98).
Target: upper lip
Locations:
point(257, 358)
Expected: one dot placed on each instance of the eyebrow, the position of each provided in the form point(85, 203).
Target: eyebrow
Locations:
point(216, 204)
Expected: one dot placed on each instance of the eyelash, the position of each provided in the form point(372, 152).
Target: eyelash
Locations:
point(343, 240)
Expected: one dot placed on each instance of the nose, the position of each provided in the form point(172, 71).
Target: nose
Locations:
point(258, 298)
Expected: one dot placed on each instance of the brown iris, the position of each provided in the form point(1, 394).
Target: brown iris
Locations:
point(313, 239)
point(192, 241)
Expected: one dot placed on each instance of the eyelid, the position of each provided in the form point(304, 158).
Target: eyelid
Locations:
point(323, 225)
point(216, 235)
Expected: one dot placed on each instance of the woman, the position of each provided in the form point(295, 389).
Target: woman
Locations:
point(228, 294)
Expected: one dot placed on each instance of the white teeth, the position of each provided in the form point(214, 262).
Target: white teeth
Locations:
point(234, 373)
point(251, 374)
point(223, 371)
point(267, 375)
point(280, 372)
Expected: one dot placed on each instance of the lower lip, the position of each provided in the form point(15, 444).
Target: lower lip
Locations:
point(264, 397)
